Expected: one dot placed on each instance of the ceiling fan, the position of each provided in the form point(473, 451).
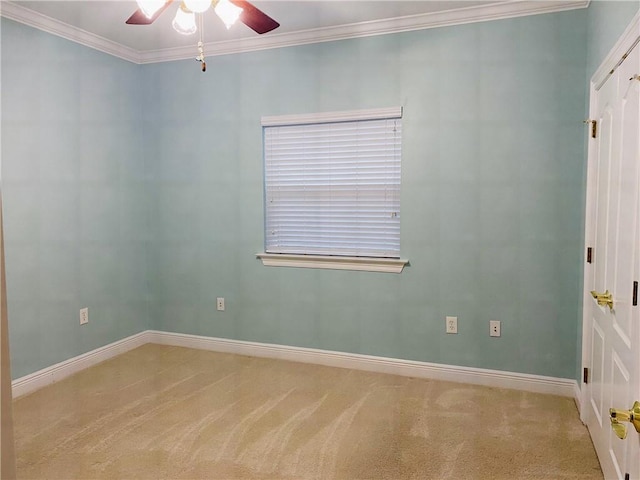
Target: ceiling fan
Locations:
point(185, 20)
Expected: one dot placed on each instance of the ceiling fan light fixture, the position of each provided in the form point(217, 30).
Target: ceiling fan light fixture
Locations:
point(184, 22)
point(228, 12)
point(150, 7)
point(197, 6)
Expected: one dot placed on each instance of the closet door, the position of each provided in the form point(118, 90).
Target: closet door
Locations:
point(611, 311)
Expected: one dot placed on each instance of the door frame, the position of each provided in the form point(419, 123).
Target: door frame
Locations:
point(612, 60)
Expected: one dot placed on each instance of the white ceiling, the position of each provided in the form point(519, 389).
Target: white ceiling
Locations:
point(101, 24)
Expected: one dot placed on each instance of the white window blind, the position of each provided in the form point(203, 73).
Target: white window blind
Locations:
point(333, 188)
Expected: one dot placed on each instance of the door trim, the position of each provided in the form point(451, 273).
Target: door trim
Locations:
point(628, 38)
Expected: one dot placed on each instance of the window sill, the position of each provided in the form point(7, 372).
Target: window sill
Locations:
point(387, 265)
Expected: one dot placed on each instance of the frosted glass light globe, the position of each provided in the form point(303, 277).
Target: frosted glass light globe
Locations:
point(197, 6)
point(184, 22)
point(228, 12)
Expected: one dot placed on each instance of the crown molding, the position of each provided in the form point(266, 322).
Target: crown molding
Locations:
point(18, 13)
point(495, 11)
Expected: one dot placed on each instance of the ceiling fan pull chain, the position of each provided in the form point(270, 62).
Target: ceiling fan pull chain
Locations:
point(201, 43)
point(200, 57)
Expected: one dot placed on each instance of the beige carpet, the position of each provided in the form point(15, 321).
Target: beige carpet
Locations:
point(168, 412)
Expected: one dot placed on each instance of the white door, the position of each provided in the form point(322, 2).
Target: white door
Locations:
point(612, 334)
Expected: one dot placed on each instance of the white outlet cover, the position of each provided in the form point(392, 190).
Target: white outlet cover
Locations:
point(84, 316)
point(494, 328)
point(451, 325)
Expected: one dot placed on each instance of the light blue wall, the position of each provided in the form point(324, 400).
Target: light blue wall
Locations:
point(155, 208)
point(491, 195)
point(606, 21)
point(76, 198)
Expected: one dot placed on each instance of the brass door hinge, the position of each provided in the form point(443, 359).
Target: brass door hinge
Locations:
point(585, 375)
point(594, 127)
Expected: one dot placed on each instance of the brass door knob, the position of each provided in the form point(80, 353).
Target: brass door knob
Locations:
point(618, 416)
point(620, 429)
point(603, 298)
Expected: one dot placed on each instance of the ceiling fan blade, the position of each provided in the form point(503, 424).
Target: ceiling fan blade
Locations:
point(139, 18)
point(254, 18)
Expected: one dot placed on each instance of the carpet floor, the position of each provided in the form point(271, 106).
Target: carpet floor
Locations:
point(160, 412)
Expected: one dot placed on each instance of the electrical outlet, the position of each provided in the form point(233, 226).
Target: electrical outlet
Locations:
point(220, 304)
point(452, 324)
point(84, 316)
point(494, 328)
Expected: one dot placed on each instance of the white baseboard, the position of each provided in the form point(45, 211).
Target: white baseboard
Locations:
point(55, 373)
point(478, 376)
point(409, 368)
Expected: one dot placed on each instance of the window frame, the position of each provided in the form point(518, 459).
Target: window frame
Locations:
point(334, 262)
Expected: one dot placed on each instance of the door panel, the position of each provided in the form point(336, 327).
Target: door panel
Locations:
point(597, 369)
point(605, 120)
point(628, 211)
point(620, 377)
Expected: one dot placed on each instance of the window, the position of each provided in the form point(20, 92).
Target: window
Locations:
point(332, 189)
